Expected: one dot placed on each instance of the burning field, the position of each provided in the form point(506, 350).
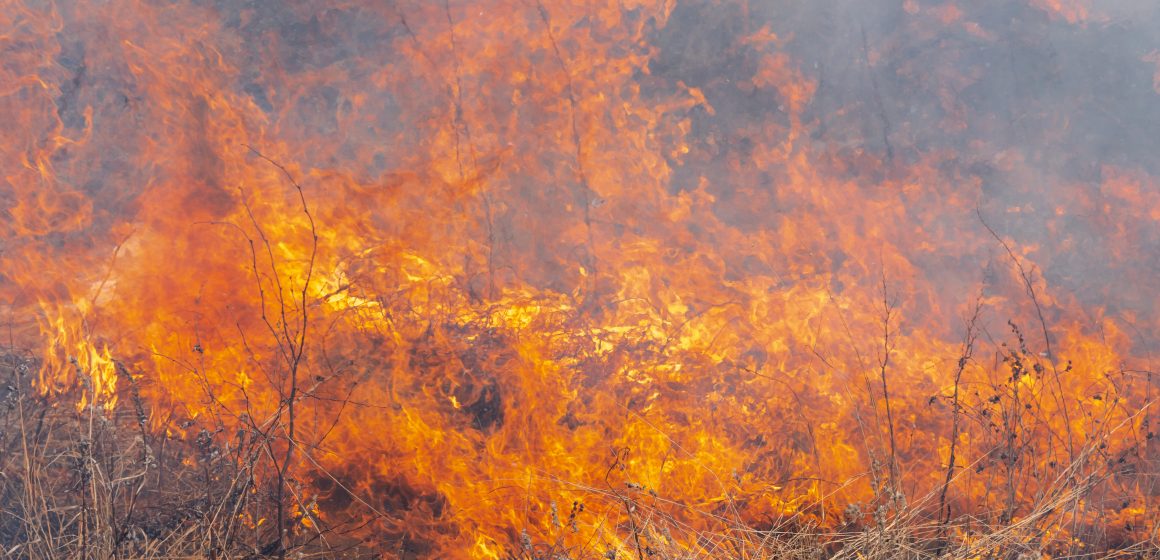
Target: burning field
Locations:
point(601, 279)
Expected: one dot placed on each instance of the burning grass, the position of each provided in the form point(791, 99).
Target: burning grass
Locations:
point(100, 481)
point(609, 278)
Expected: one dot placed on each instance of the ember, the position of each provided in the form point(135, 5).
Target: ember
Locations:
point(599, 279)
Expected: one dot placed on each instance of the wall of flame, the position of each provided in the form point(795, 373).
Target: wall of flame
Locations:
point(550, 253)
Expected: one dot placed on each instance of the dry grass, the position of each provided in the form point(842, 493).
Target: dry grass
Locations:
point(88, 484)
point(96, 484)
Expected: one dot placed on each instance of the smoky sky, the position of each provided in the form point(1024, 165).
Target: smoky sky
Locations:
point(1071, 100)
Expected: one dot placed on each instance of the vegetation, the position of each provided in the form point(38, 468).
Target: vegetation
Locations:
point(95, 483)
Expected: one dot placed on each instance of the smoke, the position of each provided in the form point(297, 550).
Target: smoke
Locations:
point(1039, 116)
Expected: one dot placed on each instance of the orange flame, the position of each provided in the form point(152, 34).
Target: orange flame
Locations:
point(567, 272)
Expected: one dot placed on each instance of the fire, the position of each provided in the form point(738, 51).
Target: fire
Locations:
point(1073, 11)
point(70, 358)
point(497, 276)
